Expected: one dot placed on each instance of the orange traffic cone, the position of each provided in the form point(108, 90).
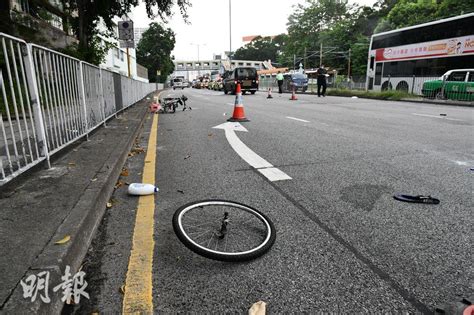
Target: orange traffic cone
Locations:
point(238, 114)
point(293, 95)
point(269, 93)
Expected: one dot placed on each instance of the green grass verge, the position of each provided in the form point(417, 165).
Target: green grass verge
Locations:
point(385, 95)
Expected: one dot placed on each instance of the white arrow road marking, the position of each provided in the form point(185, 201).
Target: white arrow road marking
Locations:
point(253, 159)
point(439, 117)
point(297, 119)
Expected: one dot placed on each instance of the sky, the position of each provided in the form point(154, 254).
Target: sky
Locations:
point(208, 31)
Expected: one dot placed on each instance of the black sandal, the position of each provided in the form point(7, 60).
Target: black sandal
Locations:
point(417, 199)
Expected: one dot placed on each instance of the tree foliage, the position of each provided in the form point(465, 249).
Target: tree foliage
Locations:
point(154, 51)
point(411, 12)
point(90, 13)
point(262, 48)
point(339, 27)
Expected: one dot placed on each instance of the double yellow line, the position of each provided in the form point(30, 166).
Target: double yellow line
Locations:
point(138, 297)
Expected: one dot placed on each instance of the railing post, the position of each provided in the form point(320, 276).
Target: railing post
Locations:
point(35, 102)
point(442, 86)
point(413, 84)
point(101, 89)
point(388, 83)
point(83, 97)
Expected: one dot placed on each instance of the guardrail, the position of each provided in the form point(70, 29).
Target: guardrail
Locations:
point(49, 100)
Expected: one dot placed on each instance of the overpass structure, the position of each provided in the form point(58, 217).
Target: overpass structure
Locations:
point(188, 68)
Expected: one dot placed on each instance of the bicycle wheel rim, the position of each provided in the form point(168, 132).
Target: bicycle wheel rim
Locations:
point(191, 242)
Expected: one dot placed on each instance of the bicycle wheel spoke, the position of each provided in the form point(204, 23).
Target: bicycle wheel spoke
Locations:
point(198, 225)
point(202, 234)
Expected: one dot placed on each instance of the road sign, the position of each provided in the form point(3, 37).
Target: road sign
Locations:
point(127, 44)
point(125, 29)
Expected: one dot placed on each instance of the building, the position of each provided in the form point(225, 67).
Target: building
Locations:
point(247, 39)
point(47, 20)
point(40, 21)
point(190, 69)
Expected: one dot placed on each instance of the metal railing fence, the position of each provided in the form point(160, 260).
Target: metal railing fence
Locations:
point(49, 100)
point(442, 88)
point(438, 88)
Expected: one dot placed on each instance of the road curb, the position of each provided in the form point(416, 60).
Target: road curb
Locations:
point(406, 100)
point(81, 225)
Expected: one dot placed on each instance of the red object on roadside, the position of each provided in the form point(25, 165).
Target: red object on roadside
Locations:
point(154, 107)
point(293, 95)
point(468, 310)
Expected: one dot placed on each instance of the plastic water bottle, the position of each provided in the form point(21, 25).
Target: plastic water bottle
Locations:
point(142, 189)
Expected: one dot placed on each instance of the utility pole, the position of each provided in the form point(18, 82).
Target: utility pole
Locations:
point(128, 63)
point(321, 54)
point(304, 66)
point(349, 66)
point(230, 29)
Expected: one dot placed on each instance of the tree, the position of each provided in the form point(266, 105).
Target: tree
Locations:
point(262, 48)
point(90, 13)
point(411, 12)
point(154, 51)
point(307, 24)
point(5, 18)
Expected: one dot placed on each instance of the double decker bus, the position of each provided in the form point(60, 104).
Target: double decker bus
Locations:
point(403, 59)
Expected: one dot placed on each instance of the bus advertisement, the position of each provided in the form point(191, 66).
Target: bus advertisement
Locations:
point(403, 59)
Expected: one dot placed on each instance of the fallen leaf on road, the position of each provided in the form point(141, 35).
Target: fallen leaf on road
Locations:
point(93, 180)
point(124, 172)
point(64, 240)
point(71, 164)
point(258, 308)
point(118, 184)
point(181, 191)
point(122, 289)
point(138, 150)
point(109, 205)
point(187, 157)
point(210, 135)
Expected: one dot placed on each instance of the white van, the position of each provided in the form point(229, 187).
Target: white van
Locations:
point(178, 83)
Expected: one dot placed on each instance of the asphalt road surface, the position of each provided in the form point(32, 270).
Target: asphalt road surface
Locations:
point(343, 243)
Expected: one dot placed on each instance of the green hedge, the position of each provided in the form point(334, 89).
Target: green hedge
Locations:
point(392, 95)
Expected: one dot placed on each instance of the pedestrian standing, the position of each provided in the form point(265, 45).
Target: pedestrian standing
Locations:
point(322, 73)
point(279, 79)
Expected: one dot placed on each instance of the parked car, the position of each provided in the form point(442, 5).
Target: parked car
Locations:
point(219, 85)
point(246, 76)
point(178, 83)
point(198, 85)
point(212, 85)
point(297, 80)
point(455, 84)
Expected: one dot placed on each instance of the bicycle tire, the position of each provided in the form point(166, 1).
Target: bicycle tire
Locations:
point(261, 247)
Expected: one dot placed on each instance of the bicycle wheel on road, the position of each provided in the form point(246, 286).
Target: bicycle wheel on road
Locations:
point(224, 230)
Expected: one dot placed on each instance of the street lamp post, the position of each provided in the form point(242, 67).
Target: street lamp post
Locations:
point(198, 45)
point(230, 29)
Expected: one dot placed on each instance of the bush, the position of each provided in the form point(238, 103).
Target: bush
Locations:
point(392, 95)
